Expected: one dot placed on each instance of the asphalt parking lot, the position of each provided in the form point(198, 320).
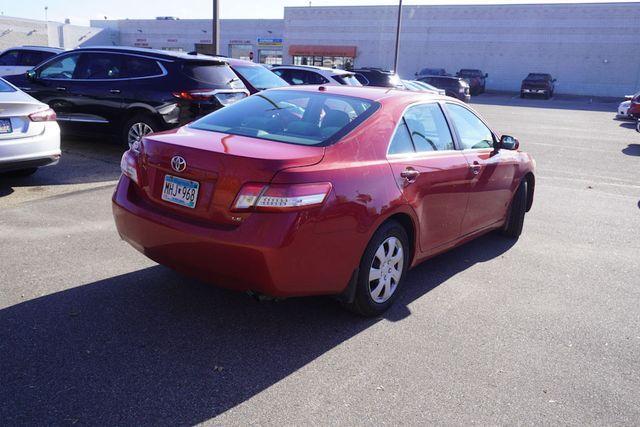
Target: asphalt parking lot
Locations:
point(542, 330)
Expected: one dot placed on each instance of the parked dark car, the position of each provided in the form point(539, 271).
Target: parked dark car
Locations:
point(453, 86)
point(432, 72)
point(476, 79)
point(538, 84)
point(255, 77)
point(130, 92)
point(378, 77)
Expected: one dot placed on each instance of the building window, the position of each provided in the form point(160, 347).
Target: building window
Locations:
point(240, 51)
point(270, 56)
point(342, 62)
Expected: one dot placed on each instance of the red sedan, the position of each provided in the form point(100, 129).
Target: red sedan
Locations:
point(321, 191)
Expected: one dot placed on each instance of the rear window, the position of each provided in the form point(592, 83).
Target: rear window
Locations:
point(470, 73)
point(295, 117)
point(260, 77)
point(346, 79)
point(533, 76)
point(4, 87)
point(212, 73)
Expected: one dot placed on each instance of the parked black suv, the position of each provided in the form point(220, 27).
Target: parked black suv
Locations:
point(378, 77)
point(476, 79)
point(538, 84)
point(130, 92)
point(453, 86)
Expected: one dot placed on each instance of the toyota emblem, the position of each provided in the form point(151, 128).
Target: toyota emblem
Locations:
point(178, 164)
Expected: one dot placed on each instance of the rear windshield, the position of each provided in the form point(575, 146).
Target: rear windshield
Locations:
point(295, 117)
point(260, 77)
point(534, 76)
point(212, 73)
point(470, 73)
point(4, 87)
point(346, 79)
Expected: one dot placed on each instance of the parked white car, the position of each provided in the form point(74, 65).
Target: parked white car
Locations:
point(18, 60)
point(29, 133)
point(312, 75)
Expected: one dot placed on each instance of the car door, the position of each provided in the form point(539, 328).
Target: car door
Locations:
point(99, 83)
point(54, 85)
point(431, 173)
point(492, 172)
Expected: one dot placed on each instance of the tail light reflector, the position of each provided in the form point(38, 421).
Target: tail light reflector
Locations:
point(280, 197)
point(129, 165)
point(47, 115)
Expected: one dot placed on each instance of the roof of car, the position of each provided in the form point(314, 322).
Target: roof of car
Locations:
point(314, 67)
point(165, 54)
point(38, 48)
point(367, 92)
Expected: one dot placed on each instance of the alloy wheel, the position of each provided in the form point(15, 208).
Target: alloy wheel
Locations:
point(136, 132)
point(386, 270)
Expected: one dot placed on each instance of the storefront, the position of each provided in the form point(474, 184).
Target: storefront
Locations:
point(324, 56)
point(240, 49)
point(269, 50)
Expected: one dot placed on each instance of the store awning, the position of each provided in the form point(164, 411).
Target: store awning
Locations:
point(321, 50)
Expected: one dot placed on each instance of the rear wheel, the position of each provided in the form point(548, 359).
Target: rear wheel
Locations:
point(138, 127)
point(382, 269)
point(515, 218)
point(638, 125)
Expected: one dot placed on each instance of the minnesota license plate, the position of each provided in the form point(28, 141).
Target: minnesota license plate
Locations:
point(180, 191)
point(5, 126)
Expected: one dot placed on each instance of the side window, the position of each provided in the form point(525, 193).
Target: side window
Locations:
point(401, 142)
point(61, 68)
point(141, 67)
point(428, 128)
point(30, 58)
point(9, 58)
point(311, 78)
point(472, 132)
point(99, 66)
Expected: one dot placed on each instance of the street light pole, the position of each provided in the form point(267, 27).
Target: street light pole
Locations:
point(215, 33)
point(397, 52)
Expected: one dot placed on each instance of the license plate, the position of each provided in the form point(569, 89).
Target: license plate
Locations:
point(180, 191)
point(5, 126)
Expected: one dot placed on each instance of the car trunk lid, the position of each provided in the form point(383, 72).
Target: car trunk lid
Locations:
point(220, 163)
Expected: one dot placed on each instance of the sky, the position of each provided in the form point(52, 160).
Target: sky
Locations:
point(81, 11)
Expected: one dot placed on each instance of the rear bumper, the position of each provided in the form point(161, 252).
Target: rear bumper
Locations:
point(272, 254)
point(34, 151)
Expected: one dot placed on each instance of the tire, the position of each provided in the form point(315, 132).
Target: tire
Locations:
point(515, 218)
point(373, 297)
point(548, 95)
point(21, 173)
point(141, 122)
point(522, 95)
point(638, 125)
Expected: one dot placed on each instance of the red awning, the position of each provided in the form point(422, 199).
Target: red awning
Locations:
point(321, 50)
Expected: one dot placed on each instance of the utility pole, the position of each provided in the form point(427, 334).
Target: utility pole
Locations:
point(46, 9)
point(215, 34)
point(397, 53)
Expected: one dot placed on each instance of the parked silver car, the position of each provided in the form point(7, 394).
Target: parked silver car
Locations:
point(29, 133)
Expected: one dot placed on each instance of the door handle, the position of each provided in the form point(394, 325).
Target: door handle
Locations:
point(409, 175)
point(475, 167)
point(61, 89)
point(114, 91)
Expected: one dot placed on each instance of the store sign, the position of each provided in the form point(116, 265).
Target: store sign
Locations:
point(263, 41)
point(205, 41)
point(141, 40)
point(239, 41)
point(172, 40)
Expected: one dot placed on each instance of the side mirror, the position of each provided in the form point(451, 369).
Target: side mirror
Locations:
point(31, 75)
point(508, 143)
point(553, 80)
point(628, 97)
point(486, 75)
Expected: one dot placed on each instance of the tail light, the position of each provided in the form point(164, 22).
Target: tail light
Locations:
point(223, 96)
point(195, 95)
point(47, 115)
point(280, 197)
point(129, 165)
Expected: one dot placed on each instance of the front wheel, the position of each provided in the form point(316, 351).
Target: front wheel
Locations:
point(382, 269)
point(515, 218)
point(638, 125)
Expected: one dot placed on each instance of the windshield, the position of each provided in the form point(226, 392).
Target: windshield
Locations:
point(470, 73)
point(537, 76)
point(346, 79)
point(295, 117)
point(5, 87)
point(212, 73)
point(260, 77)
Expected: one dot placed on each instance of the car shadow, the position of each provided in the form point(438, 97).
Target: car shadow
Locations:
point(152, 347)
point(632, 150)
point(86, 160)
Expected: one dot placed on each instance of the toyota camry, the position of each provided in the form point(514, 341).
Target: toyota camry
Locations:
point(321, 190)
